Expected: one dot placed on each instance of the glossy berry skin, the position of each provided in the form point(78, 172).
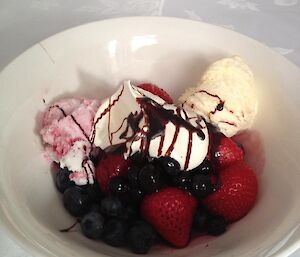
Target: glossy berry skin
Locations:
point(201, 186)
point(149, 179)
point(76, 201)
point(62, 180)
point(169, 165)
point(156, 91)
point(140, 237)
point(136, 195)
point(130, 213)
point(94, 192)
point(236, 194)
point(95, 207)
point(139, 159)
point(216, 226)
point(205, 168)
point(118, 186)
point(170, 211)
point(111, 206)
point(200, 220)
point(133, 176)
point(224, 150)
point(183, 180)
point(114, 232)
point(92, 225)
point(111, 166)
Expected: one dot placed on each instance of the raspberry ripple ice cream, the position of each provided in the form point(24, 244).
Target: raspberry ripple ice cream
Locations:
point(145, 123)
point(66, 128)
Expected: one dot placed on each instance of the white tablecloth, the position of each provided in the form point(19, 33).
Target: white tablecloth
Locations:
point(275, 23)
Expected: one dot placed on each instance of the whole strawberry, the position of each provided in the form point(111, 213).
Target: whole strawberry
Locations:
point(224, 150)
point(237, 192)
point(111, 166)
point(156, 91)
point(170, 211)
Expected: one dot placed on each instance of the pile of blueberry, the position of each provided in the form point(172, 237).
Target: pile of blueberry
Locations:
point(115, 218)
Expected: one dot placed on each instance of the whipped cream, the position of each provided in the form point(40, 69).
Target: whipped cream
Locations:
point(144, 122)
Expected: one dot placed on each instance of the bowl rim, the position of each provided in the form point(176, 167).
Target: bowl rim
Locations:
point(36, 249)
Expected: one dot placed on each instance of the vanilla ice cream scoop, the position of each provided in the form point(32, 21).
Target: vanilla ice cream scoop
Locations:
point(225, 96)
point(144, 122)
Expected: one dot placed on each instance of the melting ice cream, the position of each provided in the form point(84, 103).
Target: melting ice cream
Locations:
point(225, 96)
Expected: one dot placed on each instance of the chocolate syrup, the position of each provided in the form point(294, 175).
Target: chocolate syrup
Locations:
point(85, 161)
point(83, 132)
point(171, 147)
point(156, 119)
point(58, 107)
point(159, 117)
point(106, 110)
point(69, 228)
point(161, 144)
point(133, 121)
point(72, 117)
point(189, 150)
point(86, 136)
point(216, 96)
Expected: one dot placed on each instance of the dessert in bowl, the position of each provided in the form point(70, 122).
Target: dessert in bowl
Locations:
point(94, 72)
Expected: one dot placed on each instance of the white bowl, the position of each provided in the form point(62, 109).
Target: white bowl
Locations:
point(91, 60)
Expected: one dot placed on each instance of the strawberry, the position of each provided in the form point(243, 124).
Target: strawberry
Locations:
point(170, 211)
point(110, 166)
point(156, 91)
point(237, 192)
point(224, 150)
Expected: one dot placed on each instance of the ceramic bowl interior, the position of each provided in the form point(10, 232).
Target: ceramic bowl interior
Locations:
point(92, 60)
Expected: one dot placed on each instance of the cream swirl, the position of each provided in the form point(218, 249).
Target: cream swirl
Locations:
point(145, 122)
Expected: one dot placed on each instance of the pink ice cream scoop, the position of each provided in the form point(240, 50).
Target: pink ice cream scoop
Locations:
point(66, 128)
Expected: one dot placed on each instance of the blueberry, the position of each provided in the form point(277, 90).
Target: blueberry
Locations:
point(114, 232)
point(136, 195)
point(133, 176)
point(118, 186)
point(94, 192)
point(96, 155)
point(216, 226)
point(169, 165)
point(95, 208)
point(92, 225)
point(139, 159)
point(149, 179)
point(62, 180)
point(130, 213)
point(200, 220)
point(183, 180)
point(76, 201)
point(111, 206)
point(201, 186)
point(140, 237)
point(205, 168)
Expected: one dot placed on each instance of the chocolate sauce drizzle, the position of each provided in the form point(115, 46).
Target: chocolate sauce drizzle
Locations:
point(220, 105)
point(71, 227)
point(106, 110)
point(86, 136)
point(73, 118)
point(156, 118)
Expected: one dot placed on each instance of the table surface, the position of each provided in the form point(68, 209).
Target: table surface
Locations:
point(275, 23)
